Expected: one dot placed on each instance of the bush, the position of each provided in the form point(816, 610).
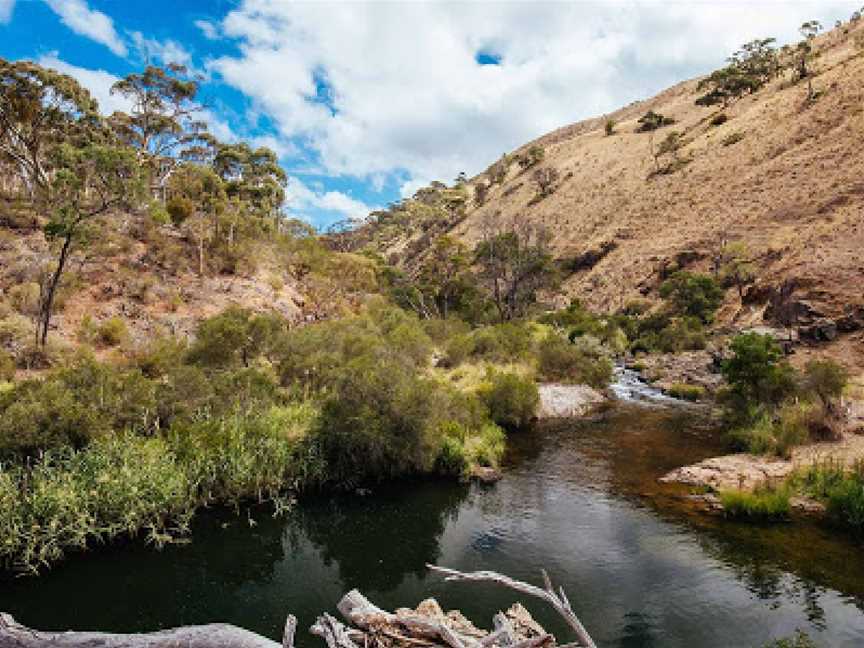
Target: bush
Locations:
point(686, 392)
point(7, 366)
point(560, 360)
point(180, 209)
point(756, 374)
point(461, 449)
point(381, 420)
point(112, 332)
point(512, 400)
point(508, 342)
point(236, 337)
point(457, 350)
point(761, 504)
point(693, 295)
point(24, 298)
point(825, 379)
point(840, 487)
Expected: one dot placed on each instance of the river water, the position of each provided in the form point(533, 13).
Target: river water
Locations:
point(577, 498)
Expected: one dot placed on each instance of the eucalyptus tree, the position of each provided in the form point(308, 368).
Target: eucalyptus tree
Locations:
point(162, 124)
point(89, 181)
point(39, 109)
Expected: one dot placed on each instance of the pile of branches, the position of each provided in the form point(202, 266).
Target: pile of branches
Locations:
point(366, 626)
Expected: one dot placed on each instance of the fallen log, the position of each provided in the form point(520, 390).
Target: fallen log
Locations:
point(214, 635)
point(426, 627)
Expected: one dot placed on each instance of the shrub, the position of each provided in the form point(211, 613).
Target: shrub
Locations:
point(733, 138)
point(560, 360)
point(502, 342)
point(651, 121)
point(461, 449)
point(7, 366)
point(512, 400)
point(840, 487)
point(158, 214)
point(693, 295)
point(609, 127)
point(719, 119)
point(180, 209)
point(826, 379)
point(457, 350)
point(756, 373)
point(24, 298)
point(236, 336)
point(761, 504)
point(686, 392)
point(112, 332)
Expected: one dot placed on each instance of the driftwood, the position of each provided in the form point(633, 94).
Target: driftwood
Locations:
point(426, 627)
point(558, 600)
point(215, 635)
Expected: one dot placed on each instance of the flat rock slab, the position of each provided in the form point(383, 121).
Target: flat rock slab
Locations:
point(731, 472)
point(558, 400)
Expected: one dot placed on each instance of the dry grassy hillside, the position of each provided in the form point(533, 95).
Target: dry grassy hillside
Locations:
point(791, 187)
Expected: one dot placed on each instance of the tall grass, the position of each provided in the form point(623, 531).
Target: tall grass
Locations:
point(763, 504)
point(841, 488)
point(126, 485)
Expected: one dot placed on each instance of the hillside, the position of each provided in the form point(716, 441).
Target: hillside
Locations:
point(782, 174)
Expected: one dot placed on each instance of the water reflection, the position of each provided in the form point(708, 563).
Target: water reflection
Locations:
point(578, 499)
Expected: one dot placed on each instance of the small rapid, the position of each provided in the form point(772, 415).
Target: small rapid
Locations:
point(628, 386)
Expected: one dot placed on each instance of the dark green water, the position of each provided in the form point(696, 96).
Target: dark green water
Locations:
point(579, 499)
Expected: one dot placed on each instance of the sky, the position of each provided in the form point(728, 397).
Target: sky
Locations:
point(366, 102)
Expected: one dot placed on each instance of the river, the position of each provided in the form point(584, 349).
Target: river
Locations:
point(578, 498)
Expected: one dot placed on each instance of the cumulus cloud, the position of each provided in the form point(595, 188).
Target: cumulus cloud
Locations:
point(6, 7)
point(98, 82)
point(208, 29)
point(306, 202)
point(93, 24)
point(166, 52)
point(395, 90)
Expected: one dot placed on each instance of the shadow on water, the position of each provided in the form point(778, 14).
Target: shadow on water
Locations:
point(578, 498)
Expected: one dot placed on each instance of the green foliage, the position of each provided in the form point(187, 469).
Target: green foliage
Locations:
point(841, 488)
point(236, 337)
point(508, 342)
point(651, 121)
point(7, 366)
point(532, 157)
point(686, 392)
point(756, 373)
point(760, 505)
point(609, 127)
point(180, 209)
point(749, 69)
point(826, 379)
point(562, 361)
point(693, 295)
point(122, 485)
point(112, 332)
point(512, 399)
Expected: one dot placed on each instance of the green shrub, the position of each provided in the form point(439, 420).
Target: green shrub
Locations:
point(457, 350)
point(24, 298)
point(112, 332)
point(693, 295)
point(756, 374)
point(559, 360)
point(180, 209)
point(686, 392)
point(507, 342)
point(158, 214)
point(512, 400)
point(841, 488)
point(825, 379)
point(761, 504)
point(7, 366)
point(777, 432)
point(236, 337)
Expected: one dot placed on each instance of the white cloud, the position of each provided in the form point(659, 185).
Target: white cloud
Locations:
point(93, 24)
point(408, 96)
point(168, 51)
point(6, 7)
point(304, 201)
point(208, 29)
point(98, 82)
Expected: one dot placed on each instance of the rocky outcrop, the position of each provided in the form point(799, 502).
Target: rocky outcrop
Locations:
point(687, 368)
point(558, 400)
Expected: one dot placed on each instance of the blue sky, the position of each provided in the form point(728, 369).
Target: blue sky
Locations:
point(366, 102)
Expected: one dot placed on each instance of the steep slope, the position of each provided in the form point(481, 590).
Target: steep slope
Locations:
point(782, 174)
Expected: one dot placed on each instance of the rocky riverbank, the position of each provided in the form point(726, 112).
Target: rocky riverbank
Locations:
point(559, 400)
